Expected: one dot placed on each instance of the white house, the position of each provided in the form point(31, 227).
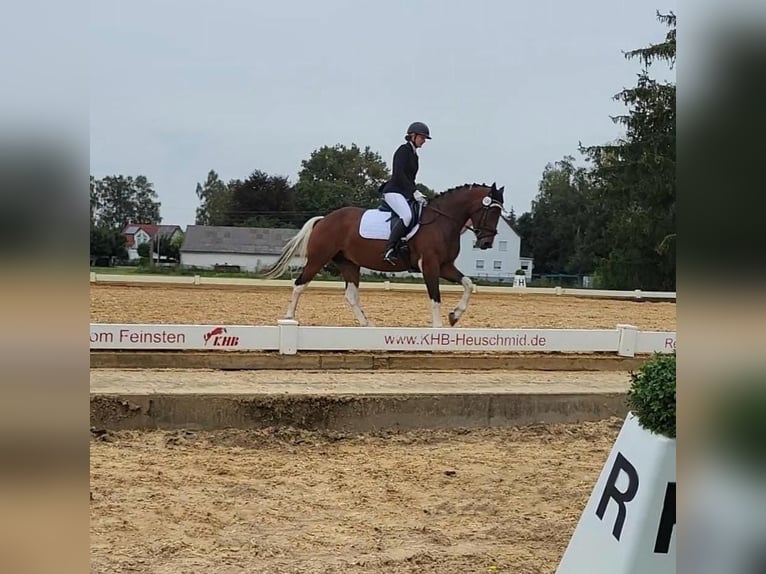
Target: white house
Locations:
point(248, 248)
point(498, 263)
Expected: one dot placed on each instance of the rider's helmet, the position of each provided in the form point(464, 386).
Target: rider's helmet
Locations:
point(419, 128)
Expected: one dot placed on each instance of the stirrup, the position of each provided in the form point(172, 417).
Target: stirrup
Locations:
point(390, 256)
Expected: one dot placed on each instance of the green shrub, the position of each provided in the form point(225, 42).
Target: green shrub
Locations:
point(652, 395)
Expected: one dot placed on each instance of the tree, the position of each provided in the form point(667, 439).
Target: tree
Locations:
point(635, 179)
point(215, 201)
point(107, 242)
point(511, 218)
point(144, 250)
point(556, 228)
point(525, 227)
point(164, 246)
point(262, 200)
point(334, 177)
point(94, 201)
point(118, 200)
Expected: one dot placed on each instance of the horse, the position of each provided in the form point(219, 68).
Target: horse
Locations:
point(432, 243)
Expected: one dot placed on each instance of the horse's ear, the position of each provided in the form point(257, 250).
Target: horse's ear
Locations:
point(494, 186)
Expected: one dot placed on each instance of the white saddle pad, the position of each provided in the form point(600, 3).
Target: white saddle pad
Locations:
point(375, 224)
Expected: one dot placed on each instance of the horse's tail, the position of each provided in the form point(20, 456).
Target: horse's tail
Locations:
point(295, 247)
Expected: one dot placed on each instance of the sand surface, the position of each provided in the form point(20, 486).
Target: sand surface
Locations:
point(317, 306)
point(286, 501)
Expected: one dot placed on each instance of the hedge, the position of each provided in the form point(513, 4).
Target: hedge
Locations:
point(652, 395)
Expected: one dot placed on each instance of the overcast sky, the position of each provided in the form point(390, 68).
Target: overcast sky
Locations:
point(182, 87)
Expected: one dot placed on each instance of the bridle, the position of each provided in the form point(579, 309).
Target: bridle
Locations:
point(486, 204)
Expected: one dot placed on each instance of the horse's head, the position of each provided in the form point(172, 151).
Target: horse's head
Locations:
point(486, 206)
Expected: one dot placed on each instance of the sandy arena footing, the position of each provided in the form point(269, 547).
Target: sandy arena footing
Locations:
point(351, 401)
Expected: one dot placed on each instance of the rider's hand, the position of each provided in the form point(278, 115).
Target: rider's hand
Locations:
point(419, 197)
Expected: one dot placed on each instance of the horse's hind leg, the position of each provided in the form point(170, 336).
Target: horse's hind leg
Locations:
point(314, 264)
point(350, 272)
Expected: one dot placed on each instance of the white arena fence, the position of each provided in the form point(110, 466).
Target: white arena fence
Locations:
point(289, 338)
point(636, 294)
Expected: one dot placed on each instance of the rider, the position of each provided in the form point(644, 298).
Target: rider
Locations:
point(400, 189)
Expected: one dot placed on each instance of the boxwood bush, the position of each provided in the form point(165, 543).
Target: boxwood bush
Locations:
point(652, 395)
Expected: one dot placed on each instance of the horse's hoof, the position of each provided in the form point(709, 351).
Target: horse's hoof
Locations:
point(452, 319)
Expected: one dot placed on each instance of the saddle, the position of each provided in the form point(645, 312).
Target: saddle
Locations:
point(416, 209)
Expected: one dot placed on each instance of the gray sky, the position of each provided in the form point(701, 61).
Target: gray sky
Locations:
point(179, 87)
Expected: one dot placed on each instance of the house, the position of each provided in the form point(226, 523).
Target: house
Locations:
point(498, 263)
point(244, 248)
point(138, 233)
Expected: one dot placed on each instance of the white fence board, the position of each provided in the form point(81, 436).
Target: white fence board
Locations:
point(288, 337)
point(660, 341)
point(415, 339)
point(184, 337)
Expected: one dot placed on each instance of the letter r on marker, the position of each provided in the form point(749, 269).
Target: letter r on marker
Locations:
point(621, 464)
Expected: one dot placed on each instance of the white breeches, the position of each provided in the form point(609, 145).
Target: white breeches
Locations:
point(400, 206)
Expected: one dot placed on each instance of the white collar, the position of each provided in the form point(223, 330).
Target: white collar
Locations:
point(412, 145)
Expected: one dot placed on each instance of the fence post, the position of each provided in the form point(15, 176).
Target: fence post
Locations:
point(626, 345)
point(288, 336)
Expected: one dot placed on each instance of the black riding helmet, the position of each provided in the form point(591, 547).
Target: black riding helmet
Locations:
point(419, 128)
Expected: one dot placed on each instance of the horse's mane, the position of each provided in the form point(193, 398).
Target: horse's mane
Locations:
point(451, 190)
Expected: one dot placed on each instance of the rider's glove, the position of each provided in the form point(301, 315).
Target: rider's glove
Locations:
point(419, 197)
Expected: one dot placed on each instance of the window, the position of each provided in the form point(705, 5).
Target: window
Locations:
point(480, 264)
point(497, 265)
point(503, 245)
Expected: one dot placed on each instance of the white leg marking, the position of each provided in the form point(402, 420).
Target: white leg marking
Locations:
point(297, 290)
point(436, 312)
point(420, 264)
point(463, 304)
point(352, 296)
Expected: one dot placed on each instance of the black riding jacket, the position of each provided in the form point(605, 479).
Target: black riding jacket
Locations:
point(404, 171)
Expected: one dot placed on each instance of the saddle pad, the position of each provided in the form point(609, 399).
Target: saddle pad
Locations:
point(375, 224)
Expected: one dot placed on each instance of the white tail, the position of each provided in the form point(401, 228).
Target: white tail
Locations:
point(295, 247)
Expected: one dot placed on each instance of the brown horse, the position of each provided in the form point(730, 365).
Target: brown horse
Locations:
point(432, 249)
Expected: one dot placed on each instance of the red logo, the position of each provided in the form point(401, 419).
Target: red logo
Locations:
point(218, 338)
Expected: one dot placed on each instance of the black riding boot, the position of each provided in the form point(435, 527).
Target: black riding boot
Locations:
point(396, 234)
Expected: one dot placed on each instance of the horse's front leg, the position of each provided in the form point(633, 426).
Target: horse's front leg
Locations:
point(431, 277)
point(452, 273)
